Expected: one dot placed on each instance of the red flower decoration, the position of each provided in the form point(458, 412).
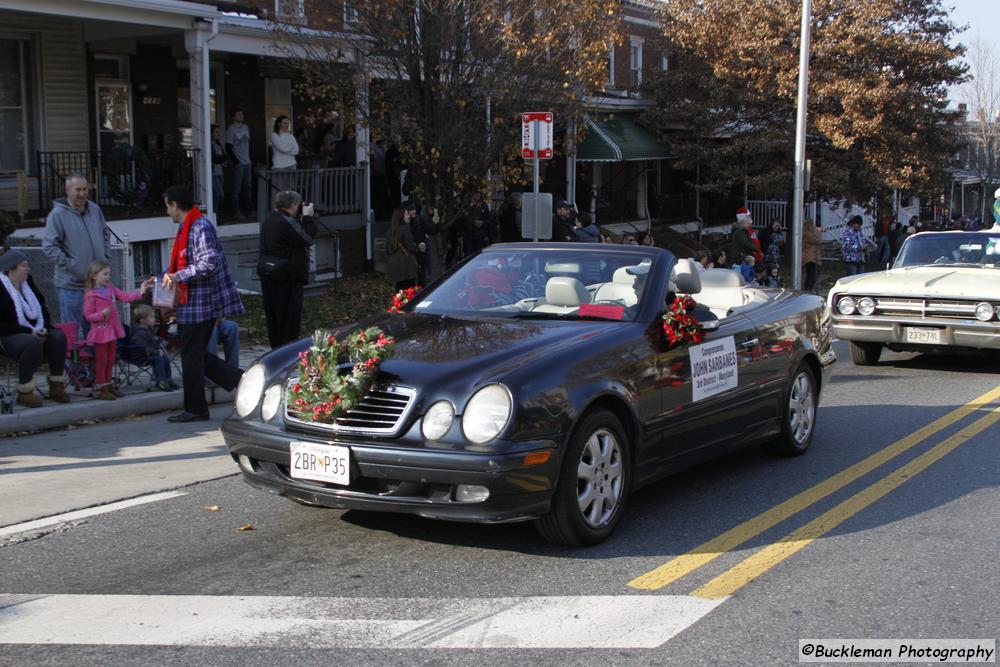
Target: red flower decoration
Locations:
point(679, 325)
point(401, 298)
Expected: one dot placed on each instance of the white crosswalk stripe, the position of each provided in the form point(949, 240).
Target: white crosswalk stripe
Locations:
point(626, 621)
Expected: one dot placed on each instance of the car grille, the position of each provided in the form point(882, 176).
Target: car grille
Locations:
point(910, 307)
point(381, 412)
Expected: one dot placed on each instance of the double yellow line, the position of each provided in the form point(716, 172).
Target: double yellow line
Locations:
point(743, 573)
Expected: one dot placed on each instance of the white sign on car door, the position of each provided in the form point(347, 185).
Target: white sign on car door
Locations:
point(714, 368)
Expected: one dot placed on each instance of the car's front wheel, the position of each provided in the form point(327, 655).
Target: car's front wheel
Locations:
point(865, 354)
point(799, 420)
point(593, 484)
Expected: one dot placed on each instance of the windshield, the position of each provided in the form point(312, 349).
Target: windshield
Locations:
point(971, 249)
point(546, 284)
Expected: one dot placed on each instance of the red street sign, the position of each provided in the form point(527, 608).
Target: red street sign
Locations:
point(543, 121)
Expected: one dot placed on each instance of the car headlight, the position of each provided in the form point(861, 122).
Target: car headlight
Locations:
point(866, 306)
point(438, 420)
point(984, 312)
point(248, 393)
point(845, 305)
point(272, 401)
point(486, 413)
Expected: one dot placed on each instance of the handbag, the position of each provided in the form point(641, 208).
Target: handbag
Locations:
point(271, 267)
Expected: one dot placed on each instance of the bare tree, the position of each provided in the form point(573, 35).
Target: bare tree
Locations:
point(981, 94)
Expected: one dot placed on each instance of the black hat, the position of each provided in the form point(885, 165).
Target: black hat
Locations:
point(410, 206)
point(562, 203)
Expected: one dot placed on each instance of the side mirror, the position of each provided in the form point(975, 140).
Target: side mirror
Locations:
point(710, 325)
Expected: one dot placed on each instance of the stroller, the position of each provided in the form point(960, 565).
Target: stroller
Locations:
point(79, 358)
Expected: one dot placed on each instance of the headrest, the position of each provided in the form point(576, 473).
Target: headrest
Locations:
point(622, 276)
point(721, 278)
point(565, 291)
point(685, 277)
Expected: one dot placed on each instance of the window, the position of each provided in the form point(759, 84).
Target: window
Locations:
point(147, 259)
point(635, 61)
point(290, 9)
point(664, 62)
point(350, 12)
point(17, 131)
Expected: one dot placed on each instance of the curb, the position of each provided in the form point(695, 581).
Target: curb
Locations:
point(53, 415)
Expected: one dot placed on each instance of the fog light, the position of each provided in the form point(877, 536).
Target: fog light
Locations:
point(245, 462)
point(845, 305)
point(471, 493)
point(866, 306)
point(984, 312)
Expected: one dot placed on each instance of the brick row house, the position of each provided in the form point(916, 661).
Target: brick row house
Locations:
point(123, 91)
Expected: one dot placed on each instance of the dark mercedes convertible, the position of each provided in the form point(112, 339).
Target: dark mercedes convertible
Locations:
point(538, 382)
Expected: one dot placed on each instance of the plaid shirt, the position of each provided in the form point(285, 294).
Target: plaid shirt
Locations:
point(211, 289)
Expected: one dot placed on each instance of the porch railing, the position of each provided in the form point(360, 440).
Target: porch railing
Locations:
point(764, 212)
point(333, 191)
point(124, 181)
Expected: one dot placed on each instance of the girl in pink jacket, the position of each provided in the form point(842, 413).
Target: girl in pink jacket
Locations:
point(105, 326)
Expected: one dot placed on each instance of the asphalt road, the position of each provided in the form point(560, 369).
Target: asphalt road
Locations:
point(888, 528)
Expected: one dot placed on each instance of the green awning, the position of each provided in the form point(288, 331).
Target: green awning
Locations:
point(619, 139)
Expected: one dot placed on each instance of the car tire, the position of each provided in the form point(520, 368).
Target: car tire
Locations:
point(798, 420)
point(865, 354)
point(594, 482)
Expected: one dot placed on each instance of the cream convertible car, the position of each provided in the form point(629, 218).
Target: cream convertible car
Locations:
point(942, 294)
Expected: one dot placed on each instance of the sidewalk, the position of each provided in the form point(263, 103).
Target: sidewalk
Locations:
point(137, 401)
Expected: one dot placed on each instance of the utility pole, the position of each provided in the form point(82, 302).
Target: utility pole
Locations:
point(800, 144)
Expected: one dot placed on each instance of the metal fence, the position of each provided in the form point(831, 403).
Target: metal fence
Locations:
point(43, 272)
point(126, 180)
point(764, 212)
point(333, 191)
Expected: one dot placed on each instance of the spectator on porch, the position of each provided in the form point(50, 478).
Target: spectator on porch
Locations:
point(284, 147)
point(218, 170)
point(240, 167)
point(345, 152)
point(75, 235)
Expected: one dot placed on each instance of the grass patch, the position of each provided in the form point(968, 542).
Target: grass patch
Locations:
point(346, 300)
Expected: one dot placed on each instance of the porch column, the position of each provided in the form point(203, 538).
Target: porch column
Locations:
point(196, 42)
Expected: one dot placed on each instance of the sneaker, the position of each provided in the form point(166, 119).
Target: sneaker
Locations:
point(173, 385)
point(164, 386)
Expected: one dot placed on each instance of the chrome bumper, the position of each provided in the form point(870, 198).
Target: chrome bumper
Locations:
point(892, 331)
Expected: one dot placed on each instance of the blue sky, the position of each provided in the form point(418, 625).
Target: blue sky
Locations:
point(982, 18)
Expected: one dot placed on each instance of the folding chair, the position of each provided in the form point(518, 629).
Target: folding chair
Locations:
point(79, 357)
point(131, 361)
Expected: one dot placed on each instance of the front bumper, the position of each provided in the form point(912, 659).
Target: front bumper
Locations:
point(388, 478)
point(964, 333)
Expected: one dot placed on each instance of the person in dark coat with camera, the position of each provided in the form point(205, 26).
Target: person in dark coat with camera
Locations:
point(283, 265)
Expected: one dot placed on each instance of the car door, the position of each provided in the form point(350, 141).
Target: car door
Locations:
point(706, 393)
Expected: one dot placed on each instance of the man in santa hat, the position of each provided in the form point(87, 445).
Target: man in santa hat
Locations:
point(744, 238)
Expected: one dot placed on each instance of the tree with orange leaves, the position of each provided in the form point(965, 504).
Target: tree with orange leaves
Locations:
point(878, 77)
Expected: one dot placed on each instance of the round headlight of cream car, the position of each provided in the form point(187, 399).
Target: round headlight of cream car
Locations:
point(248, 393)
point(272, 401)
point(438, 420)
point(845, 305)
point(984, 312)
point(866, 306)
point(486, 413)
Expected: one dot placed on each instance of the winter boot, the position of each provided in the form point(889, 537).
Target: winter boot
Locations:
point(57, 389)
point(26, 395)
point(106, 393)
